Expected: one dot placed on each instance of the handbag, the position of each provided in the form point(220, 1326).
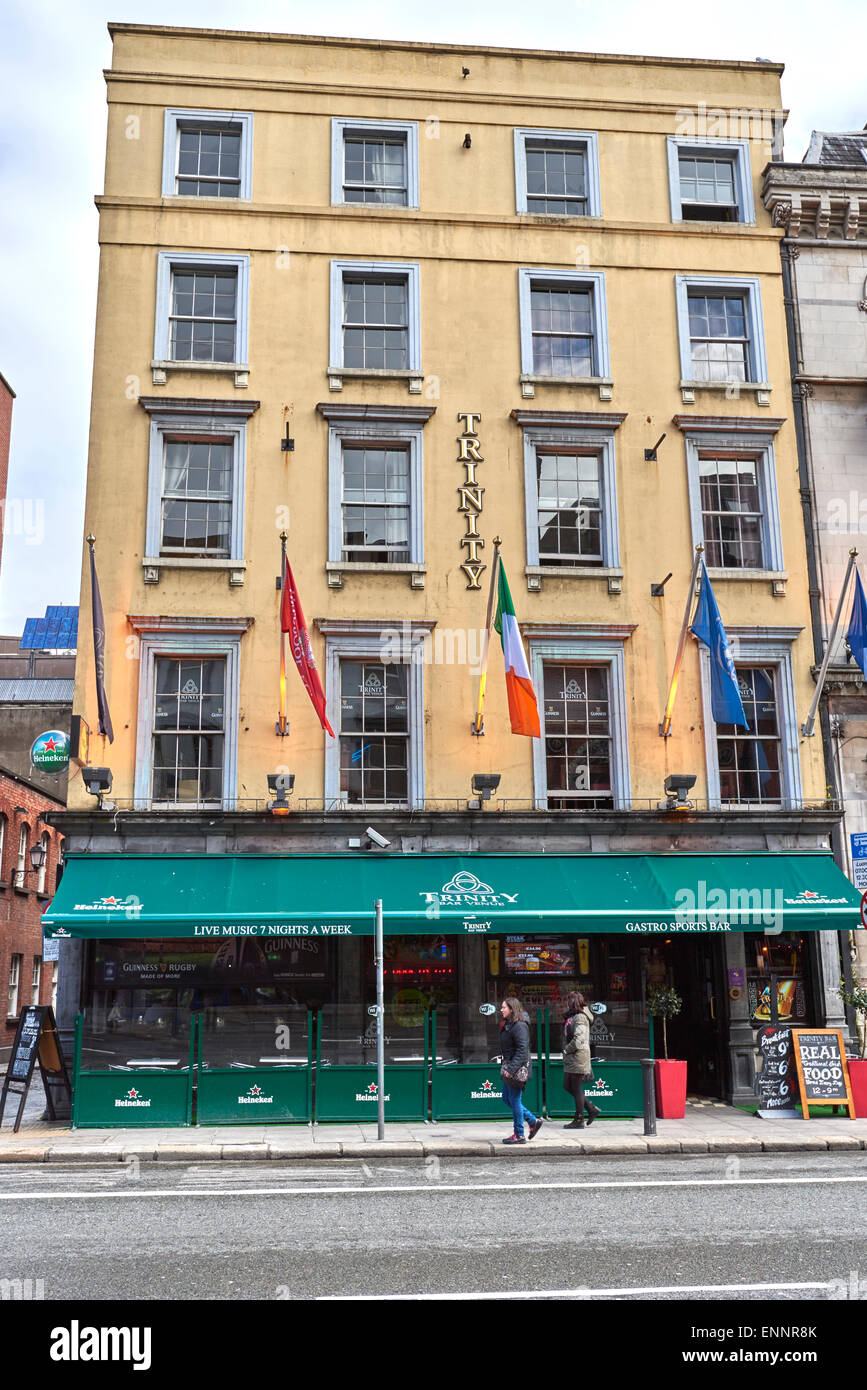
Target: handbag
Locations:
point(517, 1078)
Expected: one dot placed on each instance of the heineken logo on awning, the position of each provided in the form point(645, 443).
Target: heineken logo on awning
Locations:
point(808, 899)
point(465, 890)
point(112, 904)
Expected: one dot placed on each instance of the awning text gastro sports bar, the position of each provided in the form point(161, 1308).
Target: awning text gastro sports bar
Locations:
point(110, 895)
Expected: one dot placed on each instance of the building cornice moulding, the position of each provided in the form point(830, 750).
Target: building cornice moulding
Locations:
point(568, 419)
point(386, 414)
point(191, 405)
point(144, 622)
point(728, 424)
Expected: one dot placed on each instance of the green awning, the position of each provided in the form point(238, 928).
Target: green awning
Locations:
point(114, 895)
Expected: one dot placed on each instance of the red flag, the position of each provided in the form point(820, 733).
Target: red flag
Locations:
point(292, 621)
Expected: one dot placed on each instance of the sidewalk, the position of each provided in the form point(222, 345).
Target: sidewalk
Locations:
point(708, 1128)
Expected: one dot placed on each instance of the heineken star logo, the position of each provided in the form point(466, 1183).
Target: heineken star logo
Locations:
point(50, 745)
point(372, 1088)
point(133, 1094)
point(487, 1085)
point(255, 1091)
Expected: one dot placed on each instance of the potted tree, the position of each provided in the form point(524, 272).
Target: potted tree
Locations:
point(664, 1002)
point(856, 998)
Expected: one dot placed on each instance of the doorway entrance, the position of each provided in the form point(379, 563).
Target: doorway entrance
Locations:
point(694, 966)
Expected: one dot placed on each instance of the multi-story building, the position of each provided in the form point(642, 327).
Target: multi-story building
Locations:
point(7, 396)
point(821, 205)
point(395, 300)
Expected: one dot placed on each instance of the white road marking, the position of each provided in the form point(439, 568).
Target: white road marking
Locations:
point(432, 1187)
point(719, 1289)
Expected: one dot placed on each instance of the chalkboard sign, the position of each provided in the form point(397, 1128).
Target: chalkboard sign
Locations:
point(36, 1040)
point(777, 1082)
point(823, 1076)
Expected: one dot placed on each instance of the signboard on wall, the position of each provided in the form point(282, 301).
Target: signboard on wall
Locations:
point(858, 843)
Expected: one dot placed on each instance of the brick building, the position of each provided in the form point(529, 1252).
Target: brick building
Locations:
point(25, 977)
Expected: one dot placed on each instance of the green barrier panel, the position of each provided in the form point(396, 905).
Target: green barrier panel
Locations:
point(617, 1090)
point(351, 1093)
point(256, 1095)
point(474, 1090)
point(131, 1100)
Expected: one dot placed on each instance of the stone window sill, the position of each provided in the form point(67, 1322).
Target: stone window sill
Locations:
point(412, 377)
point(153, 564)
point(536, 573)
point(732, 390)
point(240, 370)
point(21, 891)
point(776, 578)
point(336, 569)
point(529, 382)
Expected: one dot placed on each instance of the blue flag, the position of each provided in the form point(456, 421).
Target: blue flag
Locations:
point(856, 635)
point(725, 698)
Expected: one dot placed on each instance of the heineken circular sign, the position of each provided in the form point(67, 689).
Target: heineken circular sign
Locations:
point(50, 752)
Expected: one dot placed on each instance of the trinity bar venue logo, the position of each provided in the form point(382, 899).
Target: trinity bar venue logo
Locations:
point(465, 890)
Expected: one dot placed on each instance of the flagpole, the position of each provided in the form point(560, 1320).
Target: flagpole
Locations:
point(282, 729)
point(665, 726)
point(98, 628)
point(478, 724)
point(808, 728)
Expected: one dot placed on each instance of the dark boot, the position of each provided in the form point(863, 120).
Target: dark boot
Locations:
point(577, 1123)
point(593, 1112)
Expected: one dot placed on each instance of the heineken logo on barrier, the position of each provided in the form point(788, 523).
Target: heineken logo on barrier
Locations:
point(487, 1092)
point(371, 1093)
point(601, 1088)
point(50, 752)
point(132, 1098)
point(255, 1096)
point(465, 890)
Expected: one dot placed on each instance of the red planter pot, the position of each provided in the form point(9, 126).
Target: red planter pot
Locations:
point(670, 1090)
point(858, 1078)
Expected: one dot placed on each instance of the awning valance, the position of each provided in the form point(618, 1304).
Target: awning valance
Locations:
point(113, 895)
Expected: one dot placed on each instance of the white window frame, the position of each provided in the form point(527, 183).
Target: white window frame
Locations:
point(370, 648)
point(587, 141)
point(593, 280)
point(167, 263)
point(36, 980)
point(3, 822)
point(19, 879)
point(409, 271)
point(218, 418)
point(761, 447)
point(43, 871)
point(177, 116)
point(341, 126)
point(601, 441)
point(751, 289)
point(772, 648)
point(203, 640)
point(15, 963)
point(737, 150)
point(593, 651)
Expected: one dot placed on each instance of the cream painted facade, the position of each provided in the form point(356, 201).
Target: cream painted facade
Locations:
point(469, 245)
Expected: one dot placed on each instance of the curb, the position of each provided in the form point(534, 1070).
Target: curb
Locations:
point(372, 1150)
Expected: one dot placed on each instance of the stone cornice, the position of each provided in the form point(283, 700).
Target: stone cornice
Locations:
point(193, 405)
point(568, 419)
point(146, 622)
point(386, 414)
point(728, 424)
point(822, 201)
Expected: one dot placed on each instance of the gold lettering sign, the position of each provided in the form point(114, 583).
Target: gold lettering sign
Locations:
point(470, 497)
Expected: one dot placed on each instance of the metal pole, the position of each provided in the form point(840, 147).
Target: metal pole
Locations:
point(648, 1073)
point(808, 727)
point(380, 1025)
point(665, 726)
point(478, 725)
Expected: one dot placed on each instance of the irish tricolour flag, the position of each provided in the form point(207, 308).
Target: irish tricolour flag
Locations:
point(523, 710)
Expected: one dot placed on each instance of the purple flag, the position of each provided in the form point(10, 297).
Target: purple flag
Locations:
point(99, 651)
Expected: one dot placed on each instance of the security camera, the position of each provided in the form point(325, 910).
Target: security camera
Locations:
point(375, 836)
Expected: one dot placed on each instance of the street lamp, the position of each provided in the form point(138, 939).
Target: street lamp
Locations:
point(38, 854)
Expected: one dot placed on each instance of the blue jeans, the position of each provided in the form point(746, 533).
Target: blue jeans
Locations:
point(513, 1097)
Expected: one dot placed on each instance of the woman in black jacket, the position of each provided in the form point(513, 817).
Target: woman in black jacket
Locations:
point(515, 1047)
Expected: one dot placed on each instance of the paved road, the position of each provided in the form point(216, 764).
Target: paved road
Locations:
point(688, 1228)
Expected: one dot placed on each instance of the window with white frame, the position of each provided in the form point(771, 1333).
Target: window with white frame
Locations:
point(374, 162)
point(557, 173)
point(188, 705)
point(375, 484)
point(15, 963)
point(207, 154)
point(710, 180)
point(21, 863)
point(564, 324)
point(36, 980)
point(376, 709)
point(196, 480)
point(581, 762)
point(570, 487)
point(2, 841)
point(375, 320)
point(43, 868)
point(734, 505)
point(722, 341)
point(758, 765)
point(202, 309)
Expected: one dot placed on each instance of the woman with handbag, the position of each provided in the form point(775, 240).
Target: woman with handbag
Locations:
point(577, 1067)
point(517, 1067)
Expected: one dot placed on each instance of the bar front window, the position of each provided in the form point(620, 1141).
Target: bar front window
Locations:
point(785, 958)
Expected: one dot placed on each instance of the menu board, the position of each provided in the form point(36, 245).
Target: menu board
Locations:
point(539, 955)
point(777, 1083)
point(823, 1076)
point(24, 1049)
point(36, 1040)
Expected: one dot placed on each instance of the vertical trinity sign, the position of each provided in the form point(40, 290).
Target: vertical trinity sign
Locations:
point(470, 494)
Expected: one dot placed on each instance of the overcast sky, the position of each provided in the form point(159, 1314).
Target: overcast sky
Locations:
point(52, 134)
